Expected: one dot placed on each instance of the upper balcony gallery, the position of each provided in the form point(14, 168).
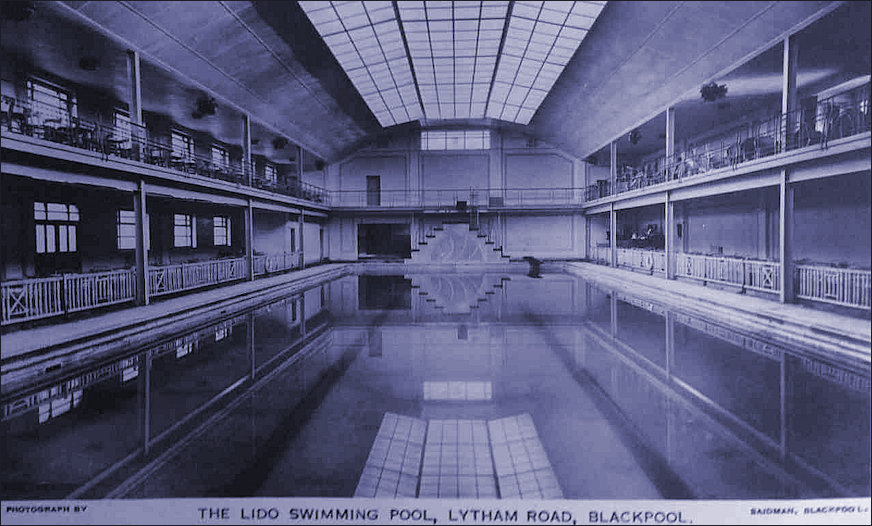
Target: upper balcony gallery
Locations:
point(807, 93)
point(97, 97)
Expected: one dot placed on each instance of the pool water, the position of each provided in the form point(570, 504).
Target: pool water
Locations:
point(480, 385)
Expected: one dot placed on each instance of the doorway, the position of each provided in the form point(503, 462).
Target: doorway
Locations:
point(384, 240)
point(373, 190)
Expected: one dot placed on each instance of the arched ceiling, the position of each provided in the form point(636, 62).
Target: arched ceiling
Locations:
point(268, 60)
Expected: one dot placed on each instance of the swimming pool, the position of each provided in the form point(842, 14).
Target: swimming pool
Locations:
point(481, 385)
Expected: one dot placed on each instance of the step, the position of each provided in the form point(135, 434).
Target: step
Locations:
point(438, 228)
point(430, 235)
point(489, 243)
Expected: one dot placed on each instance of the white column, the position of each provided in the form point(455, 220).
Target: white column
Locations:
point(613, 236)
point(613, 318)
point(134, 100)
point(246, 148)
point(249, 239)
point(670, 138)
point(613, 167)
point(669, 233)
point(139, 211)
point(788, 91)
point(301, 223)
point(785, 237)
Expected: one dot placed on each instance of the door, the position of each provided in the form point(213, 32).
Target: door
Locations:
point(373, 190)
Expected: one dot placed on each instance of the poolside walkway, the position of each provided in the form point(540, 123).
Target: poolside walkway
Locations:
point(843, 337)
point(38, 340)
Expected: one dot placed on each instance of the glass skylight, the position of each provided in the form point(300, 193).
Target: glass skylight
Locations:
point(454, 50)
point(365, 39)
point(540, 40)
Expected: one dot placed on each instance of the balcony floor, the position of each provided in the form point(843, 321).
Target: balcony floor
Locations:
point(844, 338)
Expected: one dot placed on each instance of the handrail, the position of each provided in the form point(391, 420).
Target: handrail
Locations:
point(476, 198)
point(840, 286)
point(27, 117)
point(836, 117)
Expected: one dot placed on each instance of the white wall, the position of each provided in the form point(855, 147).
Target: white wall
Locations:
point(312, 243)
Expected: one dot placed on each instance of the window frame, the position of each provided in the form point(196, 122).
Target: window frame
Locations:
point(187, 142)
point(455, 140)
point(217, 227)
point(56, 225)
point(188, 222)
point(65, 106)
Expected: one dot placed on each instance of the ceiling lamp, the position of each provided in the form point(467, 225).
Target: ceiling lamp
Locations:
point(279, 143)
point(635, 136)
point(711, 92)
point(205, 106)
point(89, 63)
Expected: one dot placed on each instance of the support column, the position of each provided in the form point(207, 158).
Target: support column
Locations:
point(785, 238)
point(613, 236)
point(669, 233)
point(613, 167)
point(300, 164)
point(141, 276)
point(246, 148)
point(249, 239)
point(303, 315)
point(670, 137)
point(587, 240)
point(134, 101)
point(145, 379)
point(789, 99)
point(302, 252)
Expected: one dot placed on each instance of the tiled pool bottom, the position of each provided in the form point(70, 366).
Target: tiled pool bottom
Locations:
point(444, 386)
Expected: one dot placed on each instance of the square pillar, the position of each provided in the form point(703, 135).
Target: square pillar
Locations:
point(134, 101)
point(249, 239)
point(669, 233)
point(670, 140)
point(301, 224)
point(785, 238)
point(141, 275)
point(613, 167)
point(613, 236)
point(789, 101)
point(613, 318)
point(246, 148)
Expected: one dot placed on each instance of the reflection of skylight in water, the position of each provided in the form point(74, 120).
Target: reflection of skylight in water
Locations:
point(540, 40)
point(454, 48)
point(365, 39)
point(459, 391)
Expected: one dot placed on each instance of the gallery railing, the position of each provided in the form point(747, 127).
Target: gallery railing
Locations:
point(840, 286)
point(32, 299)
point(132, 141)
point(168, 279)
point(460, 197)
point(745, 273)
point(843, 115)
point(268, 263)
point(642, 259)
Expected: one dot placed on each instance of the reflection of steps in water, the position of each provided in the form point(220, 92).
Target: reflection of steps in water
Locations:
point(461, 459)
point(456, 294)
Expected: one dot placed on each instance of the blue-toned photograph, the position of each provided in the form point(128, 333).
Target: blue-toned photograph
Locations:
point(558, 251)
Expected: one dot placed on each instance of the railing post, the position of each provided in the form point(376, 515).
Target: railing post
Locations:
point(785, 237)
point(249, 239)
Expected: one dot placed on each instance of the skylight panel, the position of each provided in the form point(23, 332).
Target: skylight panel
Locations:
point(541, 39)
point(366, 41)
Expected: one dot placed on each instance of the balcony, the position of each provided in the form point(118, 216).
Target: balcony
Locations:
point(840, 116)
point(510, 198)
point(25, 300)
point(32, 119)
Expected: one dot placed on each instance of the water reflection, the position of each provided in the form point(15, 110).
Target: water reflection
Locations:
point(629, 398)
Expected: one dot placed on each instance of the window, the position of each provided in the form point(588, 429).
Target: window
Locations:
point(182, 145)
point(269, 171)
point(455, 139)
point(125, 221)
point(55, 227)
point(184, 231)
point(220, 158)
point(221, 230)
point(122, 128)
point(51, 104)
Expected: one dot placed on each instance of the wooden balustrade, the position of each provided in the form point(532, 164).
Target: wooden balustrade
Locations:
point(185, 276)
point(87, 291)
point(643, 259)
point(265, 264)
point(745, 273)
point(31, 299)
point(840, 286)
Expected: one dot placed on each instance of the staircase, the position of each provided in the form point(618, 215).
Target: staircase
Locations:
point(457, 241)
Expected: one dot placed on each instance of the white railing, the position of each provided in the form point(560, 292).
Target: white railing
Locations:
point(745, 273)
point(267, 263)
point(185, 276)
point(841, 286)
point(601, 254)
point(643, 259)
point(86, 291)
point(473, 197)
point(32, 299)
